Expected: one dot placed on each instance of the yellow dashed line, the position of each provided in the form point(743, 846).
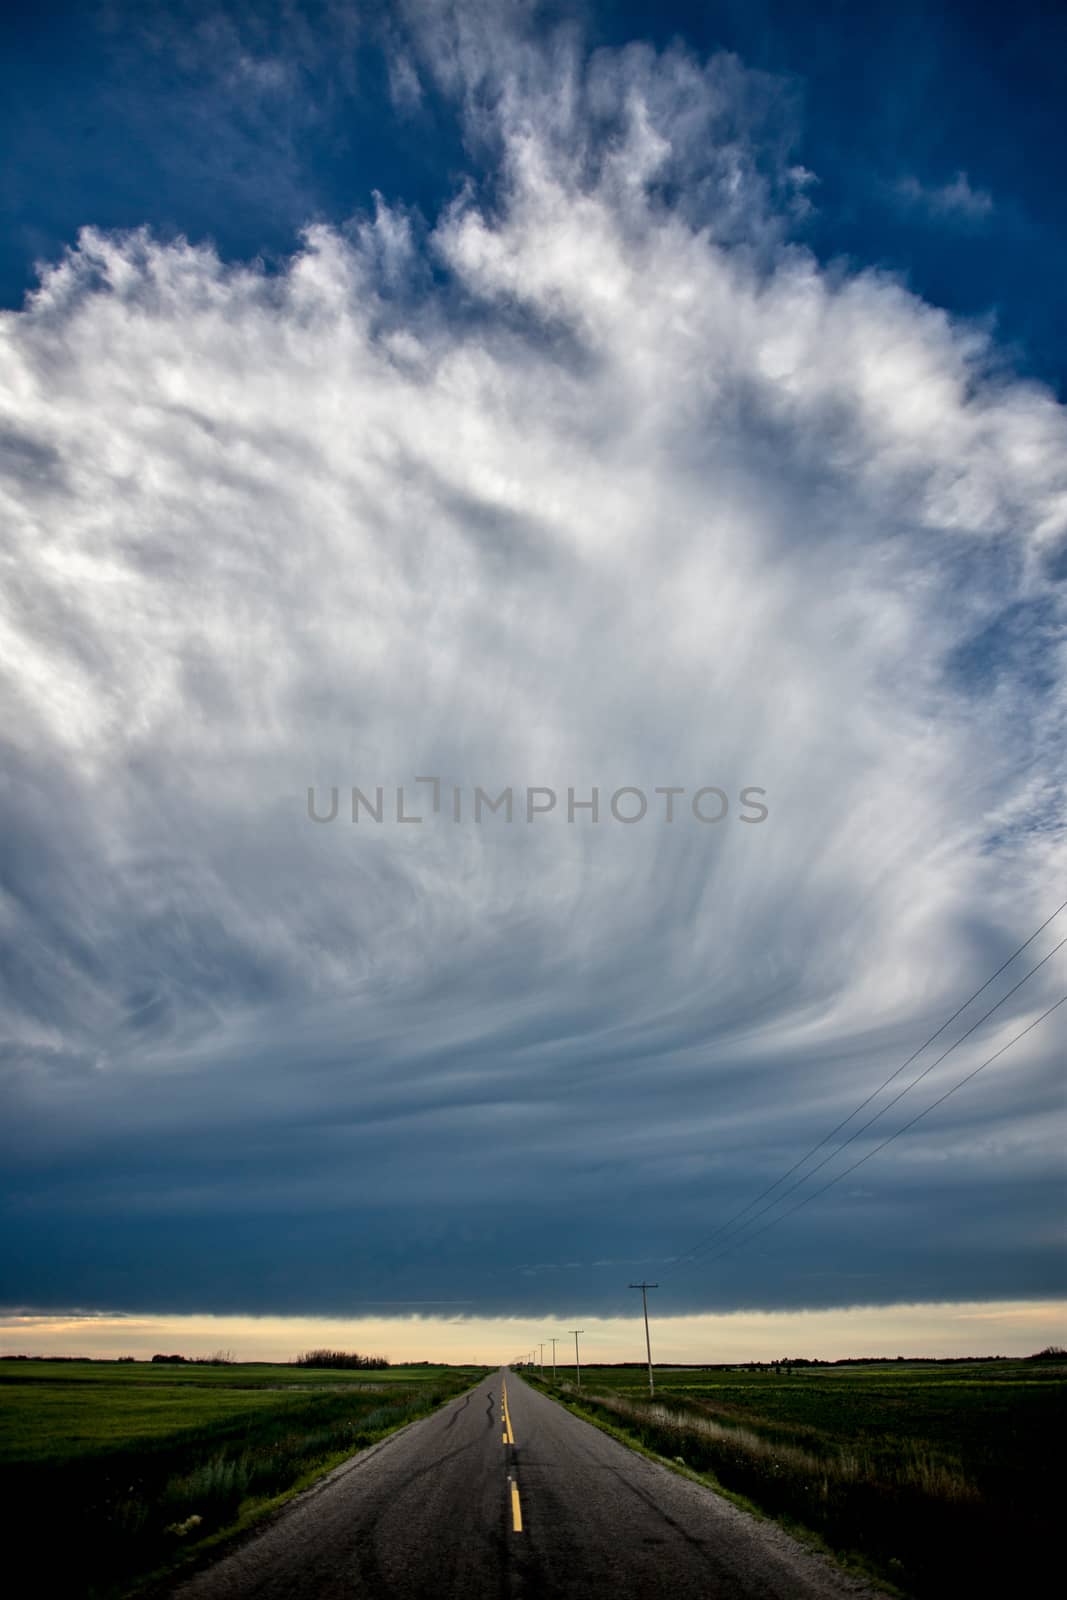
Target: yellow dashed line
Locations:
point(516, 1509)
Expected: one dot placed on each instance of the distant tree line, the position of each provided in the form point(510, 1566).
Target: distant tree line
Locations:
point(340, 1358)
point(788, 1363)
point(221, 1358)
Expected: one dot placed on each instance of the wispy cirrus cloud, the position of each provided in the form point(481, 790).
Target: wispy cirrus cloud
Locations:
point(595, 478)
point(957, 201)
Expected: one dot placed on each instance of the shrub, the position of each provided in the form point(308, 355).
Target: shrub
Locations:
point(341, 1358)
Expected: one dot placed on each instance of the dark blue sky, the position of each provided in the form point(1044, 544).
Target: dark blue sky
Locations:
point(119, 115)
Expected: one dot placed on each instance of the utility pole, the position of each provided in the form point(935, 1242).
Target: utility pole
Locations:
point(577, 1363)
point(553, 1361)
point(644, 1288)
point(542, 1359)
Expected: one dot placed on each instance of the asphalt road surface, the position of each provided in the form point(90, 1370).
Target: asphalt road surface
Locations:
point(502, 1493)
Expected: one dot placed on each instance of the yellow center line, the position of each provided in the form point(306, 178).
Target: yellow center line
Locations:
point(509, 1437)
point(516, 1509)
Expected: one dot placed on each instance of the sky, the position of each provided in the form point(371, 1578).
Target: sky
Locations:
point(415, 420)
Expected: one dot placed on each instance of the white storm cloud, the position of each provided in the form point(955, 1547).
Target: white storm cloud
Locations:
point(595, 479)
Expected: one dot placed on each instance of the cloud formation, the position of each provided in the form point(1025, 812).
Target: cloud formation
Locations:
point(956, 201)
point(596, 478)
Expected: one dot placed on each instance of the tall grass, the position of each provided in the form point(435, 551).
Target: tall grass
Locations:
point(920, 1468)
point(909, 1514)
point(130, 1509)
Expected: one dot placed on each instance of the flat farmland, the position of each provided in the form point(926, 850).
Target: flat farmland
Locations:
point(926, 1475)
point(144, 1465)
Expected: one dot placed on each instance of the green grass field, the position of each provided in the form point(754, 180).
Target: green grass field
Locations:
point(935, 1478)
point(113, 1471)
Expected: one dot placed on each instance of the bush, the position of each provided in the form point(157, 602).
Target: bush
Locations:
point(341, 1358)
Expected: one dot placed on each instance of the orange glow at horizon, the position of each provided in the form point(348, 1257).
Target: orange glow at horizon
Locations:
point(1013, 1328)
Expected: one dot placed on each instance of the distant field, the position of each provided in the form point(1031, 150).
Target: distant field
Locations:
point(110, 1471)
point(238, 1375)
point(938, 1478)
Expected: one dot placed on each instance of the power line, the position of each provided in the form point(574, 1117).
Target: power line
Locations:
point(704, 1243)
point(875, 1092)
point(836, 1151)
point(735, 1243)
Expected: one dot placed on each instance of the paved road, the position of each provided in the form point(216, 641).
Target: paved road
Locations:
point(504, 1494)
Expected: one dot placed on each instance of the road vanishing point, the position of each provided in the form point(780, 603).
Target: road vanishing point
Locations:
point(504, 1493)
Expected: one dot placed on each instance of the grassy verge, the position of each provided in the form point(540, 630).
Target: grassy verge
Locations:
point(937, 1482)
point(151, 1473)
